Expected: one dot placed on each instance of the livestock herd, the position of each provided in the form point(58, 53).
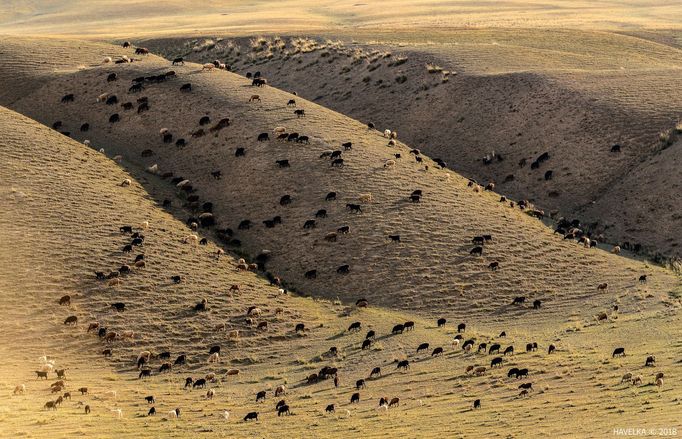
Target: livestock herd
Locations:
point(202, 217)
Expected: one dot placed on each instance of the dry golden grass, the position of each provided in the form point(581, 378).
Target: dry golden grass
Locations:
point(109, 18)
point(64, 203)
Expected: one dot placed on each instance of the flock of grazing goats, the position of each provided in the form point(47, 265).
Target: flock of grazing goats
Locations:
point(136, 243)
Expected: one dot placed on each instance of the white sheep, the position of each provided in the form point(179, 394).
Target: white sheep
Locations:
point(193, 238)
point(125, 58)
point(193, 225)
point(47, 367)
point(182, 183)
point(365, 198)
point(145, 224)
point(391, 142)
point(222, 66)
point(387, 133)
point(394, 135)
point(280, 130)
point(163, 131)
point(107, 60)
point(173, 414)
point(226, 415)
point(210, 394)
point(86, 142)
point(153, 169)
point(389, 163)
point(117, 158)
point(455, 343)
point(207, 67)
point(103, 97)
point(20, 389)
point(383, 408)
point(117, 412)
point(214, 358)
point(615, 250)
point(126, 182)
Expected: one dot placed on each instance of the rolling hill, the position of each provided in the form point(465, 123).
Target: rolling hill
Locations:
point(64, 204)
point(510, 95)
point(429, 271)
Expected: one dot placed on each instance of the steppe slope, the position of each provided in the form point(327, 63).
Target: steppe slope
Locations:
point(109, 18)
point(66, 208)
point(63, 206)
point(462, 95)
point(430, 271)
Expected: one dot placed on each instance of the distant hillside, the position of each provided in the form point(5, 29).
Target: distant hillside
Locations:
point(463, 99)
point(429, 270)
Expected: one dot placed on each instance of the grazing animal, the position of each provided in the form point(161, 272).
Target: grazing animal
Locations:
point(537, 304)
point(355, 398)
point(461, 327)
point(422, 347)
point(650, 361)
point(477, 404)
point(254, 98)
point(551, 349)
point(251, 416)
point(260, 396)
point(476, 251)
point(404, 364)
point(618, 352)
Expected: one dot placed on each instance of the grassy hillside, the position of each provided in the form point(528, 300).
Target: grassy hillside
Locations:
point(464, 95)
point(104, 18)
point(65, 204)
point(429, 271)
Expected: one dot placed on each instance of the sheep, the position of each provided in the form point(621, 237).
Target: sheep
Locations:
point(626, 378)
point(279, 130)
point(254, 98)
point(393, 135)
point(389, 163)
point(182, 183)
point(210, 394)
point(117, 158)
point(191, 238)
point(391, 142)
point(616, 250)
point(214, 357)
point(107, 60)
point(207, 67)
point(126, 182)
point(103, 97)
point(659, 382)
point(387, 133)
point(20, 389)
point(280, 390)
point(254, 311)
point(637, 380)
point(365, 198)
point(232, 372)
point(154, 169)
